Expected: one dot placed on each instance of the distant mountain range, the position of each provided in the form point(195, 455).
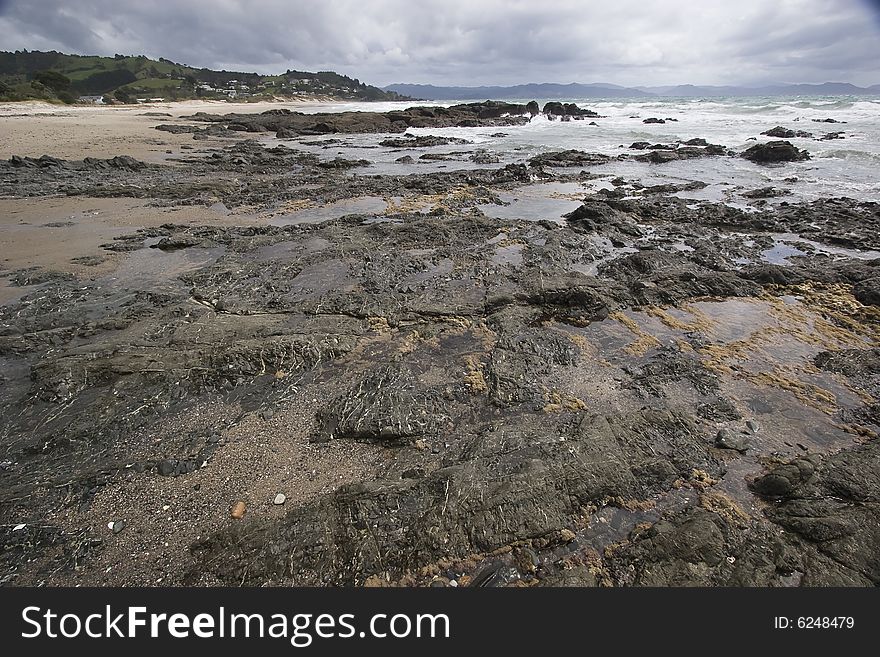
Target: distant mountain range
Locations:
point(602, 90)
point(520, 91)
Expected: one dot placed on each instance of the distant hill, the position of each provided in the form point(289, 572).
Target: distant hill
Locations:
point(55, 76)
point(521, 91)
point(824, 89)
point(605, 90)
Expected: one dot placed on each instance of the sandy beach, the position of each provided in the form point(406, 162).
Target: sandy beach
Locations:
point(76, 131)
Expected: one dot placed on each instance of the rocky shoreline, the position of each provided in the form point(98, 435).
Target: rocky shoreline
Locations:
point(647, 391)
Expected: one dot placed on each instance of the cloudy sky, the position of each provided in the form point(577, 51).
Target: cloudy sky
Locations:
point(471, 42)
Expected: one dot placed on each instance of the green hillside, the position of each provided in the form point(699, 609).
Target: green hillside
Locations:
point(56, 77)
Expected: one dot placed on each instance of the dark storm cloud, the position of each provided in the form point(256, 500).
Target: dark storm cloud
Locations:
point(476, 41)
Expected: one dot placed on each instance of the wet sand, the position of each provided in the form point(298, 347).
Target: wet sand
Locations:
point(73, 132)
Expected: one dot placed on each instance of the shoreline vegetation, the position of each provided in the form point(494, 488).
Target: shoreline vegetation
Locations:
point(67, 79)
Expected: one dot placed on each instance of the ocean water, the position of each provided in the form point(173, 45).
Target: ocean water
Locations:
point(841, 167)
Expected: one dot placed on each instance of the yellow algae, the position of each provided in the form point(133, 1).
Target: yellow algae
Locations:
point(701, 321)
point(644, 341)
point(379, 324)
point(809, 393)
point(724, 506)
point(474, 377)
point(558, 401)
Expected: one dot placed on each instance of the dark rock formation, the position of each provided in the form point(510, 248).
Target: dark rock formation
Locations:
point(775, 151)
point(555, 108)
point(569, 158)
point(784, 133)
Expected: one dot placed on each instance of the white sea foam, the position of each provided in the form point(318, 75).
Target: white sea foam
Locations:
point(844, 167)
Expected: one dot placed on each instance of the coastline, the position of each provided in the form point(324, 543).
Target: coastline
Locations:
point(458, 358)
point(34, 128)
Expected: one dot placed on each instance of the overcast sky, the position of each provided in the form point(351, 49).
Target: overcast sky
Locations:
point(472, 42)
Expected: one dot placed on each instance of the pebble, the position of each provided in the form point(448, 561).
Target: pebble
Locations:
point(117, 526)
point(280, 499)
point(753, 426)
point(238, 510)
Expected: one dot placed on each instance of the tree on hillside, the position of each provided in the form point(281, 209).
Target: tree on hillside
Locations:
point(53, 80)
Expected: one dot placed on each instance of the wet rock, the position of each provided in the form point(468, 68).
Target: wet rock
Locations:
point(719, 410)
point(575, 576)
point(43, 162)
point(343, 163)
point(766, 192)
point(177, 242)
point(18, 161)
point(729, 439)
point(775, 151)
point(868, 291)
point(178, 129)
point(421, 141)
point(662, 153)
point(827, 121)
point(832, 135)
point(785, 480)
point(556, 108)
point(37, 276)
point(286, 126)
point(406, 159)
point(698, 547)
point(850, 362)
point(569, 158)
point(119, 162)
point(483, 156)
point(784, 133)
point(654, 119)
point(385, 405)
point(831, 508)
point(437, 516)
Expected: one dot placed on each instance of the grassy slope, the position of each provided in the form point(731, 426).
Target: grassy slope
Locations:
point(141, 77)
